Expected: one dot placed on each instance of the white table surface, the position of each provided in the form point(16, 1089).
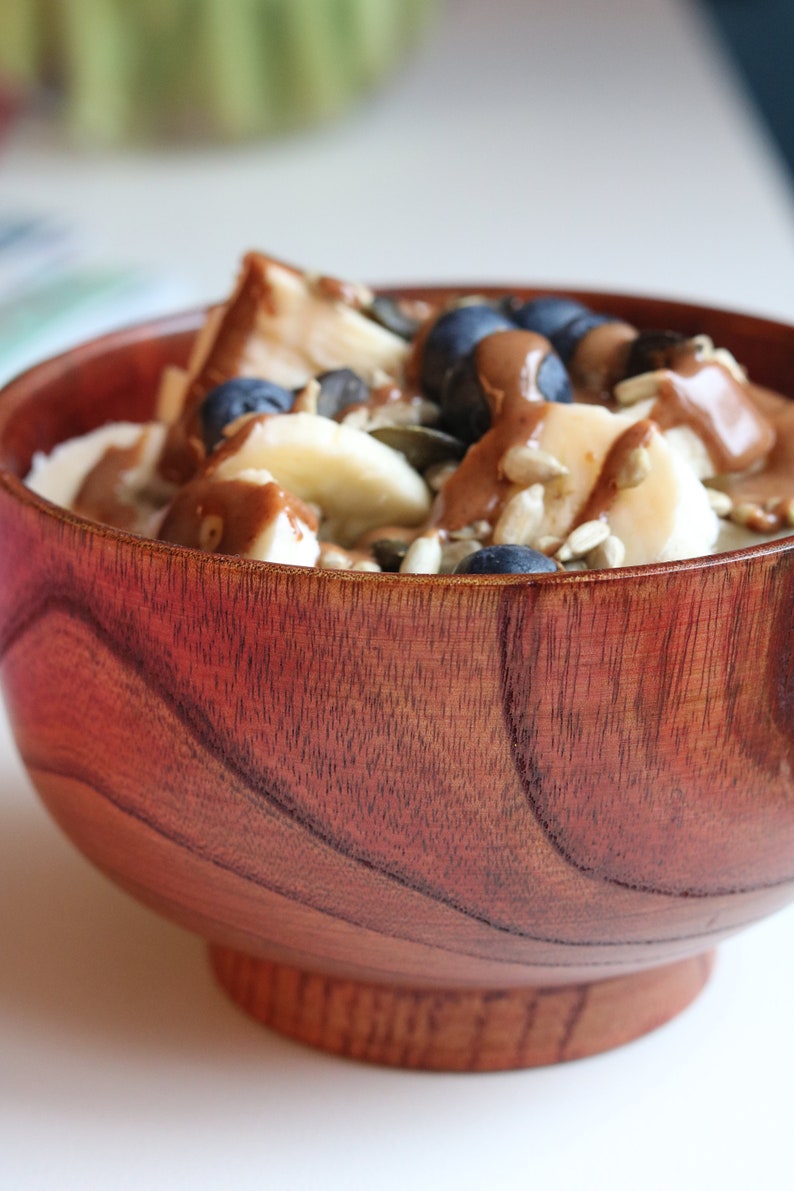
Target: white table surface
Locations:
point(600, 144)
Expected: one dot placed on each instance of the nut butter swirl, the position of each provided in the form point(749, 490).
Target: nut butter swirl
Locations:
point(774, 481)
point(507, 365)
point(229, 516)
point(703, 394)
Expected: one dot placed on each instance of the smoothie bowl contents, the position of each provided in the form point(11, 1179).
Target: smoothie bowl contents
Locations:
point(319, 425)
point(473, 820)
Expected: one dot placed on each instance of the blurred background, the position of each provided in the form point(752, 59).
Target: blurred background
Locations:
point(759, 36)
point(623, 144)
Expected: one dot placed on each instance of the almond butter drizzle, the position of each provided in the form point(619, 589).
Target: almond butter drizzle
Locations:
point(745, 429)
point(774, 481)
point(748, 431)
point(244, 509)
point(101, 496)
point(603, 493)
point(507, 364)
point(336, 290)
point(184, 446)
point(599, 360)
point(703, 395)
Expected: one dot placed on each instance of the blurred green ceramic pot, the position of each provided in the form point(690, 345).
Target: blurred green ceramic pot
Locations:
point(210, 70)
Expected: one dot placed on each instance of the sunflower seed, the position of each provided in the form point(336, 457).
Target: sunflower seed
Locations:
point(394, 316)
point(611, 553)
point(635, 468)
point(423, 556)
point(752, 516)
point(720, 502)
point(521, 518)
point(638, 388)
point(582, 540)
point(706, 351)
point(524, 464)
point(334, 560)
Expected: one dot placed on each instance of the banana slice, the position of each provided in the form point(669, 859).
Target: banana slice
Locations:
point(279, 326)
point(660, 510)
point(108, 475)
point(358, 482)
point(59, 475)
point(681, 439)
point(250, 515)
point(298, 332)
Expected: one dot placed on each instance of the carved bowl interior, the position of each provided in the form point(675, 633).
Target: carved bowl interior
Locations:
point(460, 822)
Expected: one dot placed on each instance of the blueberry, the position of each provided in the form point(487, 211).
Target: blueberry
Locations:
point(567, 339)
point(452, 336)
point(563, 321)
point(339, 389)
point(465, 412)
point(505, 560)
point(547, 316)
point(243, 395)
point(553, 381)
point(650, 351)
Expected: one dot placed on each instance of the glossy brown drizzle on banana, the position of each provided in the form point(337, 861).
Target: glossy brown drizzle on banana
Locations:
point(605, 490)
point(111, 491)
point(507, 364)
point(599, 361)
point(747, 431)
point(774, 481)
point(704, 395)
point(229, 516)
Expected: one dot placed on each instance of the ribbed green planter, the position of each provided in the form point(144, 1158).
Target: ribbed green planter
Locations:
point(205, 69)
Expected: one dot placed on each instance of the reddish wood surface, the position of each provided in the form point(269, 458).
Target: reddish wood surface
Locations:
point(409, 787)
point(458, 1029)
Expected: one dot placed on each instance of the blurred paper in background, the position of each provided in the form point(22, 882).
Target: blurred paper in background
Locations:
point(51, 300)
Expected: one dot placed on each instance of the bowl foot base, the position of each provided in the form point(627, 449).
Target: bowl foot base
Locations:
point(458, 1029)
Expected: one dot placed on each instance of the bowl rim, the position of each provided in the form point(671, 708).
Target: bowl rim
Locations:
point(189, 319)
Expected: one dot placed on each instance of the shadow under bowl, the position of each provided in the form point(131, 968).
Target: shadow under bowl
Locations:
point(447, 822)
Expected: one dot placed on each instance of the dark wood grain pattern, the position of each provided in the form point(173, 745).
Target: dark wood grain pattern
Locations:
point(458, 822)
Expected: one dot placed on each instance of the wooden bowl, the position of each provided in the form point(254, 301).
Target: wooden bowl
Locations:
point(444, 822)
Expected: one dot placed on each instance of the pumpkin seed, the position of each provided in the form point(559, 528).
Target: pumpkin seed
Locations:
point(389, 553)
point(422, 445)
